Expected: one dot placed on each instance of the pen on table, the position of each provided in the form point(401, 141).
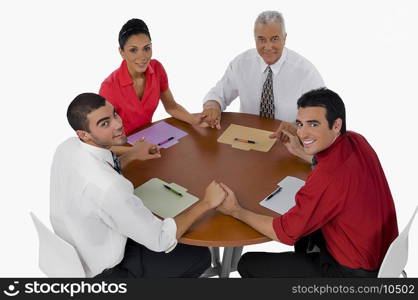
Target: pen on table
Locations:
point(273, 193)
point(167, 140)
point(173, 190)
point(244, 141)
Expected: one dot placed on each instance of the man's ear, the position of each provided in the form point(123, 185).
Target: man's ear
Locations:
point(338, 123)
point(83, 135)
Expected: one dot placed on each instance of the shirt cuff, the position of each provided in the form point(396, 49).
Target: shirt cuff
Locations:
point(207, 105)
point(280, 232)
point(170, 228)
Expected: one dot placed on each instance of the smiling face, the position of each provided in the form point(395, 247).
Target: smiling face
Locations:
point(105, 128)
point(269, 40)
point(137, 52)
point(313, 129)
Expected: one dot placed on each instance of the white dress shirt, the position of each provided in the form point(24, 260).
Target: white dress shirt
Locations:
point(93, 208)
point(293, 75)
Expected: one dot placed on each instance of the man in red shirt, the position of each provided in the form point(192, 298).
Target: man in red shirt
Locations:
point(345, 207)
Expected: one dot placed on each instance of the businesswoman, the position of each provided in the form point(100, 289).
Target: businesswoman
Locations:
point(136, 87)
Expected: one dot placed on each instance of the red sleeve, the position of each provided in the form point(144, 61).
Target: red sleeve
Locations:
point(317, 202)
point(162, 75)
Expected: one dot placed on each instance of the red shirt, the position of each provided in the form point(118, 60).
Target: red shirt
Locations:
point(119, 90)
point(346, 196)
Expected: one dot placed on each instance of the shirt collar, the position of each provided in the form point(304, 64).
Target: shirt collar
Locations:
point(327, 152)
point(100, 153)
point(125, 78)
point(276, 66)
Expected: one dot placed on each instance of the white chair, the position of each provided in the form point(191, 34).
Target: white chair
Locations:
point(397, 255)
point(57, 258)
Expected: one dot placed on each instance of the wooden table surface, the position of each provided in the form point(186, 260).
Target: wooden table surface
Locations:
point(198, 159)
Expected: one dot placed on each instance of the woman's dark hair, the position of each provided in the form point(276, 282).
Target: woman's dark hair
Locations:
point(327, 99)
point(132, 27)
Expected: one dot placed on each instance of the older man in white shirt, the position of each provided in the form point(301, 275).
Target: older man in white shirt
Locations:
point(268, 80)
point(93, 206)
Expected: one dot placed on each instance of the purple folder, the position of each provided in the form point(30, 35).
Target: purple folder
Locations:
point(159, 133)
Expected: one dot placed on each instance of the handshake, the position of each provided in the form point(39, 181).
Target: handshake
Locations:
point(142, 150)
point(221, 197)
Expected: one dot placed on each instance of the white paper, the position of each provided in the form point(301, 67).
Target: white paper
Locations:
point(285, 199)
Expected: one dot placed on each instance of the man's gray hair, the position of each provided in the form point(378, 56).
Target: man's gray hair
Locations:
point(271, 16)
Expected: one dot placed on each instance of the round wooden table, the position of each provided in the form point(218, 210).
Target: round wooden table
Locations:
point(198, 159)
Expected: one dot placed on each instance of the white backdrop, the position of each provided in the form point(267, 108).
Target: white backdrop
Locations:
point(53, 50)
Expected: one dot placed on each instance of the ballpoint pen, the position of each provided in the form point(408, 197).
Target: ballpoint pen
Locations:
point(244, 141)
point(167, 140)
point(173, 190)
point(273, 193)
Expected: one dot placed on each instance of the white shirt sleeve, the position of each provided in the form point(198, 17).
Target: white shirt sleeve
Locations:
point(125, 212)
point(226, 90)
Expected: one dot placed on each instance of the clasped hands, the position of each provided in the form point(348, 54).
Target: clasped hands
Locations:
point(142, 150)
point(221, 197)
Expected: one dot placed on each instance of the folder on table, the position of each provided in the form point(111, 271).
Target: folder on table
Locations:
point(261, 139)
point(164, 202)
point(162, 134)
point(284, 200)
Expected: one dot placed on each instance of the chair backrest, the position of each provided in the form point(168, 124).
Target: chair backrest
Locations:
point(397, 254)
point(57, 258)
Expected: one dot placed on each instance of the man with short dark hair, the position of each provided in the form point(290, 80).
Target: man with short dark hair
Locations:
point(93, 206)
point(345, 207)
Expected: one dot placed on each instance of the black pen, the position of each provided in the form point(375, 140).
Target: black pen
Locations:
point(273, 193)
point(173, 190)
point(167, 140)
point(244, 141)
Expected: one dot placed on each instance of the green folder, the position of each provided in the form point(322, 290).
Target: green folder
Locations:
point(163, 201)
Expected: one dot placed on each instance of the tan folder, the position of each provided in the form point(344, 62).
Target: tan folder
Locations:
point(161, 200)
point(261, 137)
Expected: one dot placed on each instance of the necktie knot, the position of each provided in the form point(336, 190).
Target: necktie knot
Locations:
point(314, 162)
point(116, 163)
